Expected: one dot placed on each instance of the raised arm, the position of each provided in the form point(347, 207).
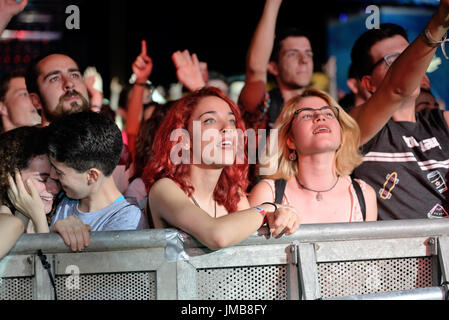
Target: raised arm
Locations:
point(8, 9)
point(259, 55)
point(402, 79)
point(142, 68)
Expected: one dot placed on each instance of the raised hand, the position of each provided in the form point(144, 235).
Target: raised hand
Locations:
point(143, 65)
point(9, 8)
point(94, 85)
point(188, 70)
point(443, 13)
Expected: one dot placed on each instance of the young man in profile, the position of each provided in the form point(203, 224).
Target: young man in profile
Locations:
point(16, 109)
point(84, 149)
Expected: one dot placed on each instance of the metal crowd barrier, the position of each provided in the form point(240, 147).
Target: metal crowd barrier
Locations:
point(378, 260)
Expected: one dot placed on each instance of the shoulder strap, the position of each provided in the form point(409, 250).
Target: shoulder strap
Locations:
point(148, 215)
point(361, 197)
point(279, 187)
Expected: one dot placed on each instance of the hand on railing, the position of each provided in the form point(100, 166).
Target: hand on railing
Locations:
point(74, 232)
point(285, 220)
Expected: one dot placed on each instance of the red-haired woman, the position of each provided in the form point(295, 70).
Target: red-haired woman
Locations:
point(199, 194)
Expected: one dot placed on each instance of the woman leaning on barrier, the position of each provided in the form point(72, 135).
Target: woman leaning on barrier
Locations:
point(318, 150)
point(203, 193)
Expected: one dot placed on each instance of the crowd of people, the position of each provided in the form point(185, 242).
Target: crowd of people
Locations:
point(382, 154)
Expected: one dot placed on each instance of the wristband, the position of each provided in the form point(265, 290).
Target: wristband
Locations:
point(431, 42)
point(272, 204)
point(262, 212)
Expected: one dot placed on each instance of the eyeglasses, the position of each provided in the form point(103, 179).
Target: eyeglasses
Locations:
point(389, 59)
point(307, 114)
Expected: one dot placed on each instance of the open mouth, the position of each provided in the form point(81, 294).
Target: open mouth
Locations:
point(321, 129)
point(226, 144)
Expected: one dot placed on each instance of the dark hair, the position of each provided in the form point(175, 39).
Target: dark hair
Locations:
point(17, 148)
point(144, 142)
point(5, 80)
point(360, 55)
point(86, 140)
point(284, 34)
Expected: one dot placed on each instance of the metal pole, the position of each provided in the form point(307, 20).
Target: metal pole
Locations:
point(434, 293)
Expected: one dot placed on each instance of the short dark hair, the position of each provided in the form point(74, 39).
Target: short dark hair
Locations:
point(5, 80)
point(360, 55)
point(17, 148)
point(284, 34)
point(86, 140)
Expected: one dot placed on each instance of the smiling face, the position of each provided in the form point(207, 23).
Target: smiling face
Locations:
point(74, 184)
point(316, 131)
point(39, 172)
point(61, 87)
point(218, 130)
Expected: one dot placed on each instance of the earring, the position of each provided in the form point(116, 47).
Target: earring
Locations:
point(292, 156)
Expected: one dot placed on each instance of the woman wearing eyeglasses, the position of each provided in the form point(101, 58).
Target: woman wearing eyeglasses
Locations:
point(318, 150)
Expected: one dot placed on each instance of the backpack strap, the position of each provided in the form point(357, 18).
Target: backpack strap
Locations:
point(361, 197)
point(279, 187)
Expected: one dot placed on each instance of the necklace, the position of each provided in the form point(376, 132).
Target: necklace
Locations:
point(319, 196)
point(196, 203)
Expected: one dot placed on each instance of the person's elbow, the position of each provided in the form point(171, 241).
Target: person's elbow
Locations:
point(219, 239)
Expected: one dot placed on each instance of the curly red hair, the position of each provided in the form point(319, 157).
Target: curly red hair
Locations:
point(233, 181)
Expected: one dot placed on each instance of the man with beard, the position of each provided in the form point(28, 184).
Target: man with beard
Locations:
point(56, 87)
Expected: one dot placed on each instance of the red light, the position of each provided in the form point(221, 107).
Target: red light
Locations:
point(20, 34)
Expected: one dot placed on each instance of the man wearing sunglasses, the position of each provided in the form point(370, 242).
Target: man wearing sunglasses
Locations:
point(406, 155)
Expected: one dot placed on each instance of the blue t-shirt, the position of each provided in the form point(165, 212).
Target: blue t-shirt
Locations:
point(119, 216)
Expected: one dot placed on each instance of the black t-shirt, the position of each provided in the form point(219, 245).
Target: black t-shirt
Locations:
point(407, 164)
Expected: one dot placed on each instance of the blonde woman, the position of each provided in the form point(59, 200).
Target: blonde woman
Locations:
point(318, 150)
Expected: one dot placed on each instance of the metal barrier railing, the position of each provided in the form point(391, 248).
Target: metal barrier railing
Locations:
point(376, 260)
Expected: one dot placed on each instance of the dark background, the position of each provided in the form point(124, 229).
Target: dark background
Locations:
point(219, 31)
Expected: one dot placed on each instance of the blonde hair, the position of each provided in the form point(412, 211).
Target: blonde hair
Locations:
point(348, 156)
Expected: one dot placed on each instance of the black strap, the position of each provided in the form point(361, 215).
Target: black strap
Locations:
point(280, 190)
point(47, 266)
point(361, 197)
point(148, 214)
point(279, 187)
